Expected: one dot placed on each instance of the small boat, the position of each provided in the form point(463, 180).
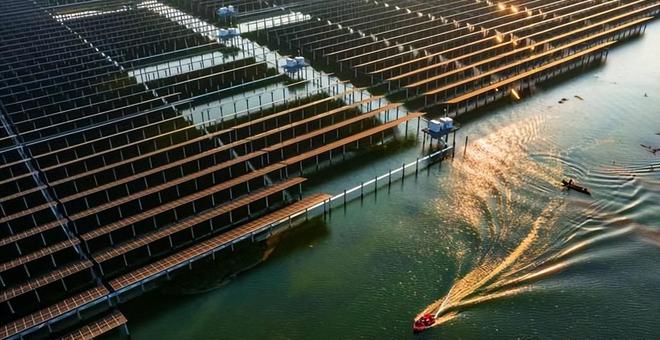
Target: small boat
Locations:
point(423, 323)
point(569, 184)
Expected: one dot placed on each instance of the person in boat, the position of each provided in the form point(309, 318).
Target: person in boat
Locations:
point(570, 182)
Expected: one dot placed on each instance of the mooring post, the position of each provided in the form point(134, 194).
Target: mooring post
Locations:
point(416, 166)
point(361, 190)
point(389, 179)
point(344, 198)
point(423, 141)
point(125, 331)
point(466, 144)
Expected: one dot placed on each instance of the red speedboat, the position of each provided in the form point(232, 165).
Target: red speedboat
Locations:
point(426, 321)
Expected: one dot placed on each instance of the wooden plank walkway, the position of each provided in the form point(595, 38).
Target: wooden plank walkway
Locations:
point(27, 212)
point(174, 147)
point(221, 240)
point(419, 70)
point(60, 308)
point(38, 254)
point(298, 108)
point(21, 193)
point(521, 61)
point(146, 239)
point(43, 280)
point(153, 189)
point(330, 128)
point(98, 327)
point(32, 231)
point(182, 200)
point(351, 139)
point(523, 75)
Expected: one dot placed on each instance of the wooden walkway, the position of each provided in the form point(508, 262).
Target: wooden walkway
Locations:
point(351, 139)
point(208, 246)
point(146, 239)
point(560, 48)
point(50, 277)
point(551, 39)
point(98, 327)
point(183, 200)
point(58, 309)
point(38, 254)
point(32, 231)
point(529, 73)
point(330, 128)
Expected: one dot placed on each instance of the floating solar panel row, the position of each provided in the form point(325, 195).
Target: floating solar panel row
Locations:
point(126, 36)
point(98, 327)
point(40, 263)
point(244, 9)
point(236, 76)
point(416, 53)
point(105, 176)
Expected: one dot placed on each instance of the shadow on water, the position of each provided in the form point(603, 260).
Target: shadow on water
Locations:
point(208, 275)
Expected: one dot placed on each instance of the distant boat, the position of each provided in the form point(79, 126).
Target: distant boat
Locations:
point(569, 184)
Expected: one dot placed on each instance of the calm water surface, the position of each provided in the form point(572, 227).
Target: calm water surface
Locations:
point(490, 237)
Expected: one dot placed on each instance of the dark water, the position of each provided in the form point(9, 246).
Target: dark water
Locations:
point(514, 256)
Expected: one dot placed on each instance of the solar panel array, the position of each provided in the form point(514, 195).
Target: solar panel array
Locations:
point(118, 163)
point(427, 53)
point(104, 173)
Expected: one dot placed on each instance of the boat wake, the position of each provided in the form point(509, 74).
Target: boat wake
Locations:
point(519, 220)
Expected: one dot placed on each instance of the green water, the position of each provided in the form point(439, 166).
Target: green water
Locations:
point(525, 259)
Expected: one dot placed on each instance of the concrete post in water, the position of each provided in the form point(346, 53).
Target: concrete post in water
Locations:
point(361, 190)
point(453, 147)
point(466, 144)
point(389, 179)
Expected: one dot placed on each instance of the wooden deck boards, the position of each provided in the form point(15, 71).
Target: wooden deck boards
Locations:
point(351, 139)
point(518, 62)
point(38, 254)
point(182, 200)
point(215, 242)
point(333, 127)
point(32, 231)
point(529, 73)
point(154, 189)
point(98, 327)
point(145, 239)
point(64, 306)
point(475, 53)
point(55, 275)
point(27, 212)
